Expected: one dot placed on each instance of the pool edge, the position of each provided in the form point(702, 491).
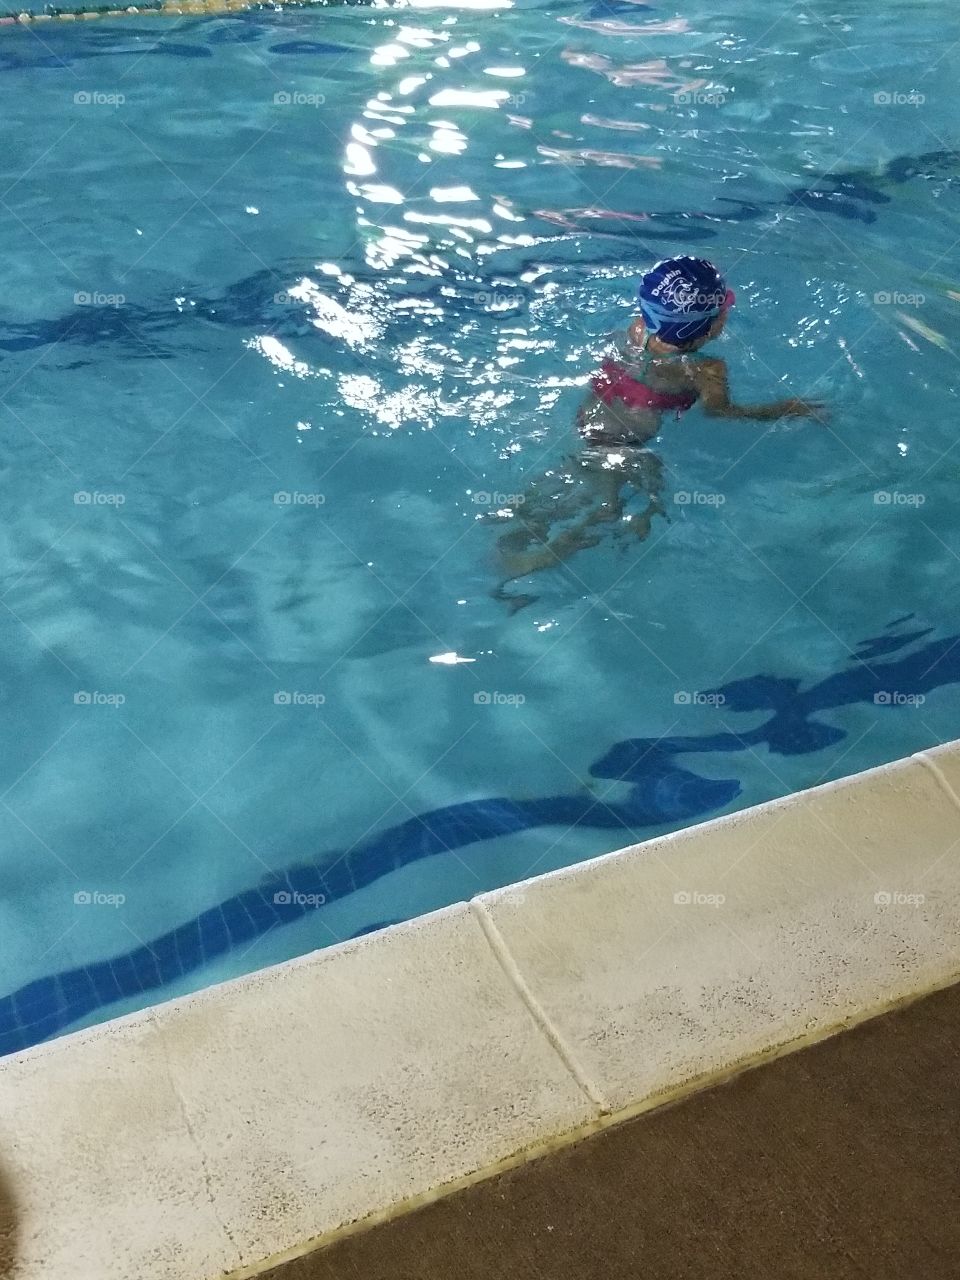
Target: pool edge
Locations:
point(508, 1009)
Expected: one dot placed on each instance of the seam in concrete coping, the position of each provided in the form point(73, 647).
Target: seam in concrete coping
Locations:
point(925, 759)
point(537, 1012)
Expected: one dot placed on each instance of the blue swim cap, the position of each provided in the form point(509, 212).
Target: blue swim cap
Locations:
point(680, 298)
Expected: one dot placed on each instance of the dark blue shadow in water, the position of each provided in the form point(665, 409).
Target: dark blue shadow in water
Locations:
point(853, 196)
point(298, 47)
point(792, 728)
point(616, 9)
point(117, 36)
point(658, 792)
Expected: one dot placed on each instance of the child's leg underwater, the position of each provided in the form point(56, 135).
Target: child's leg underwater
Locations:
point(602, 487)
point(646, 477)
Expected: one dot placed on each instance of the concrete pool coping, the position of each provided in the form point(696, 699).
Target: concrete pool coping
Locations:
point(834, 1163)
point(224, 1132)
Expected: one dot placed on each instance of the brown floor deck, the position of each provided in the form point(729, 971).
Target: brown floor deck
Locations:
point(840, 1161)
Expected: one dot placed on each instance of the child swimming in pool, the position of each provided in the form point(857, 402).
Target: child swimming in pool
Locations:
point(683, 304)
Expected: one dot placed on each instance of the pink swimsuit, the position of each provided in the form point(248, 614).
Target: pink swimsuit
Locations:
point(614, 382)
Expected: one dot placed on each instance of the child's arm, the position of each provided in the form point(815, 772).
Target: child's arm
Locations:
point(710, 378)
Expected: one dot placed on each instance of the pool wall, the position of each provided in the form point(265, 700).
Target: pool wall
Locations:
point(256, 1120)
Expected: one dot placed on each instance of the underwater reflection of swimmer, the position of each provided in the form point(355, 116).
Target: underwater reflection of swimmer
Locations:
point(683, 304)
point(587, 493)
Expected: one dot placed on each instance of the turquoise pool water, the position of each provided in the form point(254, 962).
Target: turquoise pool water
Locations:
point(291, 299)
